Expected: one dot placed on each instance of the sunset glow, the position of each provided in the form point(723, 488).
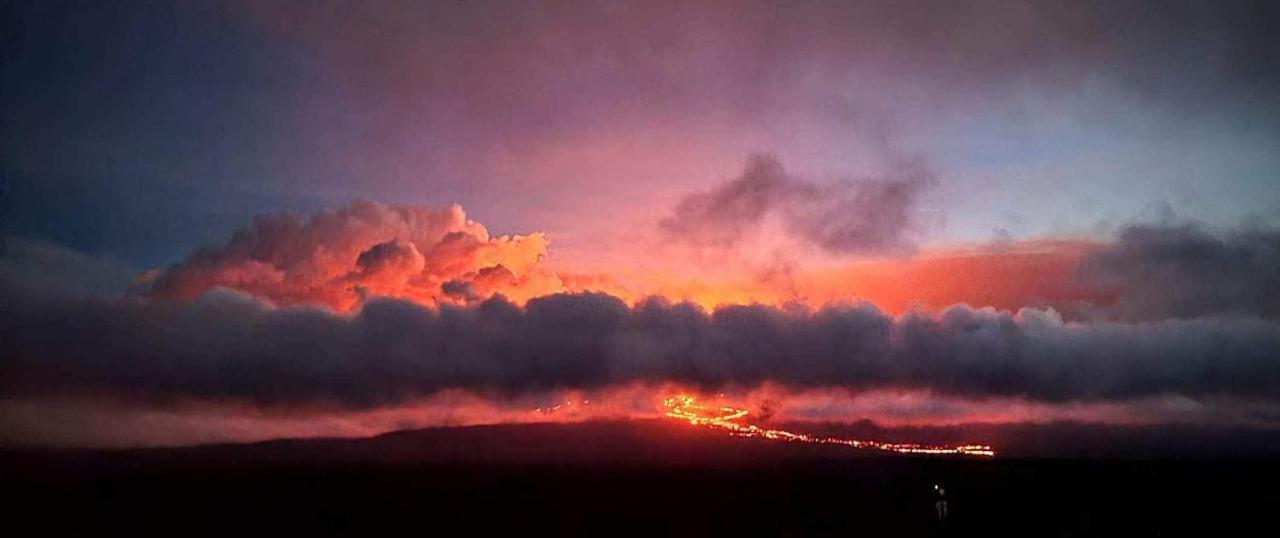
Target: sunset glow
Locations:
point(640, 267)
point(248, 219)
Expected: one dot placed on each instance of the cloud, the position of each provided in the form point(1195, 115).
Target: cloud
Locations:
point(339, 258)
point(227, 345)
point(870, 216)
point(1194, 319)
point(1187, 271)
point(55, 270)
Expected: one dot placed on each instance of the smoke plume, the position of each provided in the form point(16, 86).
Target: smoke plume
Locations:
point(368, 249)
point(870, 216)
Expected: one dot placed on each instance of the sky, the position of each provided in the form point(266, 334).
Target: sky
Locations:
point(264, 218)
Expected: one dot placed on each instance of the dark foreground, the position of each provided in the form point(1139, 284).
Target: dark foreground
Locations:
point(617, 479)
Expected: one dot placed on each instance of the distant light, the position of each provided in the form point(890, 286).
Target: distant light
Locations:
point(684, 408)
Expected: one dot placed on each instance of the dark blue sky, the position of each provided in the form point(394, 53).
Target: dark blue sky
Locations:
point(140, 131)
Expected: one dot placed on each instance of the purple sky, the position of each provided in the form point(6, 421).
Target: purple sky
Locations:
point(149, 128)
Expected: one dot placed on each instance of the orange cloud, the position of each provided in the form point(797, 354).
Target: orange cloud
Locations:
point(369, 249)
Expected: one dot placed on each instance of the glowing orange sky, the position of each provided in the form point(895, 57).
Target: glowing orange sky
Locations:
point(1027, 274)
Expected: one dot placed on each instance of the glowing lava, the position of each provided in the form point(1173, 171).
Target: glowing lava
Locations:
point(686, 408)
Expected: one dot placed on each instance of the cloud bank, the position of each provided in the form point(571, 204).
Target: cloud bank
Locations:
point(1187, 271)
point(228, 346)
point(373, 306)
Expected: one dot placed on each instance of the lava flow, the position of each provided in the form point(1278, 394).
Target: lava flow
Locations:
point(684, 407)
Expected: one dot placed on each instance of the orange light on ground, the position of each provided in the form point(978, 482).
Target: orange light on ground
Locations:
point(686, 408)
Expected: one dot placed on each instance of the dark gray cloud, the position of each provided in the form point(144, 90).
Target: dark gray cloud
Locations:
point(868, 216)
point(1186, 271)
point(58, 271)
point(227, 345)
